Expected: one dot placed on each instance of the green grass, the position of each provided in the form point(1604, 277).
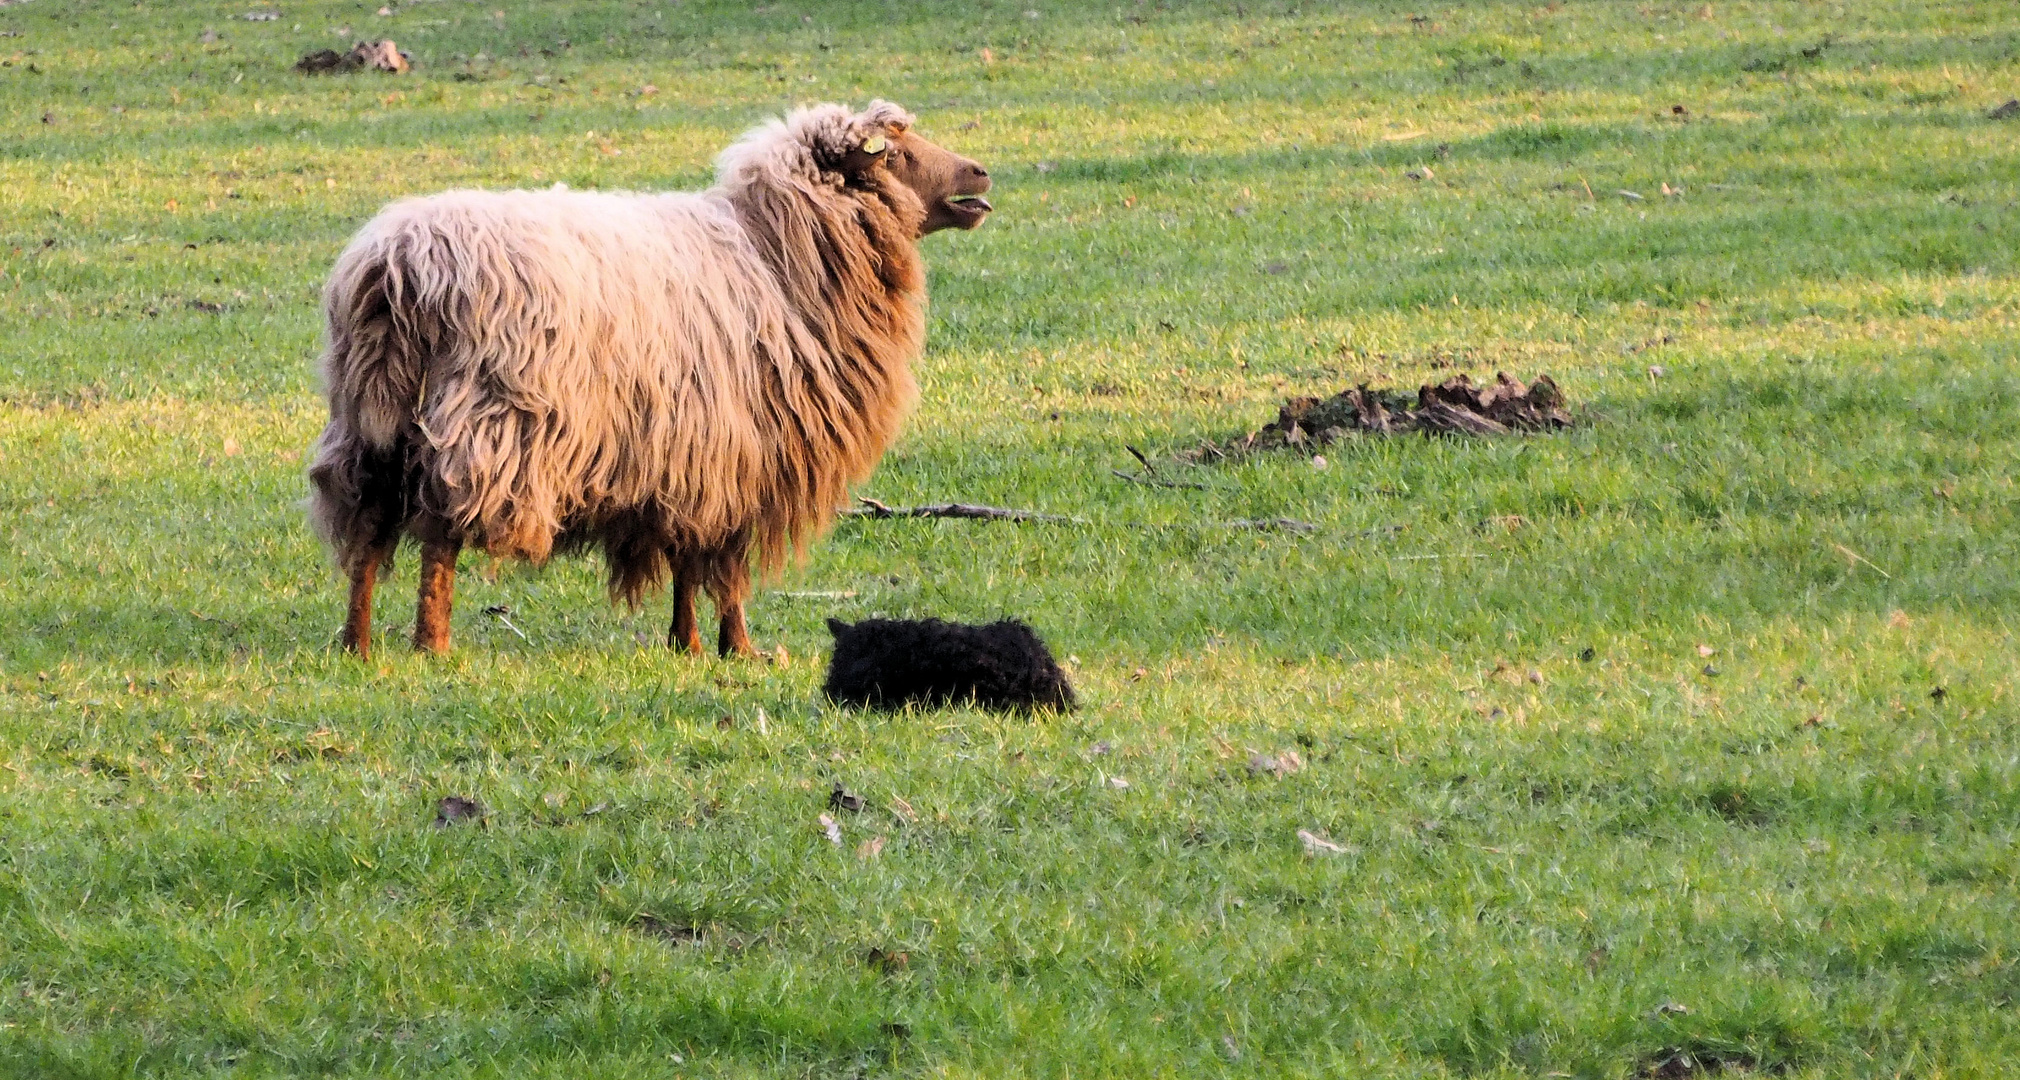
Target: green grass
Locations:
point(216, 856)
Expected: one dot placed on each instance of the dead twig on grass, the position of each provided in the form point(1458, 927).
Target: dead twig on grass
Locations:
point(1151, 477)
point(1157, 481)
point(873, 509)
point(1276, 524)
point(499, 612)
point(1141, 459)
point(226, 623)
point(1856, 557)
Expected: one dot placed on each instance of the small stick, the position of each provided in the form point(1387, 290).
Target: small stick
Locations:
point(845, 594)
point(1850, 554)
point(232, 626)
point(499, 611)
point(1138, 455)
point(1155, 481)
point(1283, 524)
point(873, 508)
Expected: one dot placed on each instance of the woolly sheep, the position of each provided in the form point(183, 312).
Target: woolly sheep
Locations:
point(688, 380)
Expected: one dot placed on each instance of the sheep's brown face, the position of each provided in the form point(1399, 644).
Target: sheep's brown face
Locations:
point(949, 185)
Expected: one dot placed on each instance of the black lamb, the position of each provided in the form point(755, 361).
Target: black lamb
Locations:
point(888, 663)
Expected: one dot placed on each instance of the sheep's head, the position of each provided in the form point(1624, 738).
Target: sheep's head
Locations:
point(875, 150)
point(949, 186)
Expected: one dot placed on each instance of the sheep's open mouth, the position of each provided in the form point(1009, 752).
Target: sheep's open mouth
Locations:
point(971, 206)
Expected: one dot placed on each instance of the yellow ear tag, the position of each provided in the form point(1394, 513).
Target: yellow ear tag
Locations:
point(874, 144)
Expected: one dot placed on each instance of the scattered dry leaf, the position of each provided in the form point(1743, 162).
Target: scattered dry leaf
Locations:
point(1319, 845)
point(831, 830)
point(870, 849)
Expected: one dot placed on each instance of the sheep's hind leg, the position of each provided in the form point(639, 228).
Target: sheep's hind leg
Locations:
point(685, 634)
point(357, 636)
point(729, 585)
point(438, 589)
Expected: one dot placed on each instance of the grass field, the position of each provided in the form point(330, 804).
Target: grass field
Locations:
point(1682, 742)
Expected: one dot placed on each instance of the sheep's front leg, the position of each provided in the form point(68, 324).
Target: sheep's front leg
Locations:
point(358, 620)
point(438, 589)
point(685, 635)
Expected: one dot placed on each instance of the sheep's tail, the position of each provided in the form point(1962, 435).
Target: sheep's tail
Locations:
point(374, 369)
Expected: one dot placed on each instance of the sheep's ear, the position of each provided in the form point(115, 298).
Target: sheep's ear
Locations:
point(865, 155)
point(837, 626)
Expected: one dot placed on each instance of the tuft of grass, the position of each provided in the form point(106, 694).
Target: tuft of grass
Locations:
point(1631, 737)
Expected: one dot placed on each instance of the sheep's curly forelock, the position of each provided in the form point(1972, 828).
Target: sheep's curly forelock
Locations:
point(665, 375)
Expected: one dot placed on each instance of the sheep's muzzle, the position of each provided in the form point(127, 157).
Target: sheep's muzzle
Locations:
point(950, 186)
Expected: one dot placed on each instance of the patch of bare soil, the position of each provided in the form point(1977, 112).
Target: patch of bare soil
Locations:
point(373, 55)
point(1452, 407)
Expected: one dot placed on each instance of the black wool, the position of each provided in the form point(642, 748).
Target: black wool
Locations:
point(889, 663)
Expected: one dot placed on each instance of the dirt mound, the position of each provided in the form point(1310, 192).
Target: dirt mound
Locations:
point(376, 55)
point(1452, 407)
